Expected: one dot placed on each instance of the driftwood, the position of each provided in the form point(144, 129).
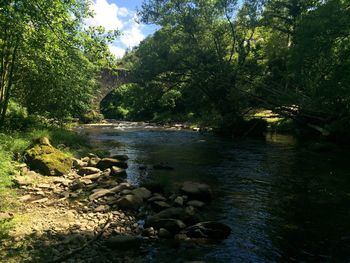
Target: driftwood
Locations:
point(77, 250)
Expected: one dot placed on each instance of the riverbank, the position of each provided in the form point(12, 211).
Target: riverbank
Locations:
point(88, 214)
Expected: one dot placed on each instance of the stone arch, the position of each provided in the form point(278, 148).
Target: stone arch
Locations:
point(109, 80)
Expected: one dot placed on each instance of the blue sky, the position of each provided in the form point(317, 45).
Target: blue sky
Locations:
point(120, 14)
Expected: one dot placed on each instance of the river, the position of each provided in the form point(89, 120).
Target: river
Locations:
point(284, 203)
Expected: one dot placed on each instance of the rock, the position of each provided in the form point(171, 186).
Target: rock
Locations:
point(48, 160)
point(196, 191)
point(149, 232)
point(85, 181)
point(44, 141)
point(125, 192)
point(132, 202)
point(92, 176)
point(41, 200)
point(116, 171)
point(196, 203)
point(120, 187)
point(174, 226)
point(76, 185)
point(22, 180)
point(121, 157)
point(160, 205)
point(106, 163)
point(78, 163)
point(162, 166)
point(93, 161)
point(179, 201)
point(99, 193)
point(88, 170)
point(63, 181)
point(25, 198)
point(208, 230)
point(124, 242)
point(187, 215)
point(102, 208)
point(163, 233)
point(142, 192)
point(156, 197)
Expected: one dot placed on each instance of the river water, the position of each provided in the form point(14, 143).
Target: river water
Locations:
point(283, 202)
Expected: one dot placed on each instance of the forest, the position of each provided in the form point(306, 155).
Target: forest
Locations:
point(88, 166)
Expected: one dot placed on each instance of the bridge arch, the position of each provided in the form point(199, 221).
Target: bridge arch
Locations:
point(110, 79)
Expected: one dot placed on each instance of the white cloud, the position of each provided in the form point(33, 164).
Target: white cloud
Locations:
point(111, 17)
point(133, 35)
point(117, 51)
point(107, 15)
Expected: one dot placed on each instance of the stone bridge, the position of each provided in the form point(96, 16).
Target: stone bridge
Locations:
point(109, 80)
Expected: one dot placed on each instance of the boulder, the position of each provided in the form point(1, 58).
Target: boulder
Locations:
point(48, 160)
point(174, 226)
point(156, 197)
point(160, 205)
point(163, 233)
point(99, 193)
point(93, 161)
point(149, 232)
point(179, 201)
point(88, 170)
point(79, 163)
point(121, 157)
point(197, 191)
point(187, 215)
point(208, 230)
point(106, 163)
point(196, 203)
point(132, 202)
point(92, 176)
point(124, 242)
point(142, 192)
point(116, 171)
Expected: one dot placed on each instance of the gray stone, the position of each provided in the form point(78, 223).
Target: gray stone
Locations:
point(99, 193)
point(156, 197)
point(174, 226)
point(196, 203)
point(160, 205)
point(121, 157)
point(132, 202)
point(208, 230)
point(142, 192)
point(196, 191)
point(149, 232)
point(116, 171)
point(187, 215)
point(106, 163)
point(88, 170)
point(102, 208)
point(163, 233)
point(179, 201)
point(92, 176)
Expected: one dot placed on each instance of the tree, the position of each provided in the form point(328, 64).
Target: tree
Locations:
point(49, 59)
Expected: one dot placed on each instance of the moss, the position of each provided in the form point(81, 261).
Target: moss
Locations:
point(48, 160)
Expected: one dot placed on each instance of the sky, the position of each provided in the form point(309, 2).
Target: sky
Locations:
point(120, 14)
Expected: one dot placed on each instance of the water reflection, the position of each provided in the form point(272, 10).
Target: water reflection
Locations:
point(284, 203)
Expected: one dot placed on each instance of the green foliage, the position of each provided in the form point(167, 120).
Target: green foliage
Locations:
point(50, 60)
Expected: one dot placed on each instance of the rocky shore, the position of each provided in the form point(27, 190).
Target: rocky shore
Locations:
point(91, 213)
